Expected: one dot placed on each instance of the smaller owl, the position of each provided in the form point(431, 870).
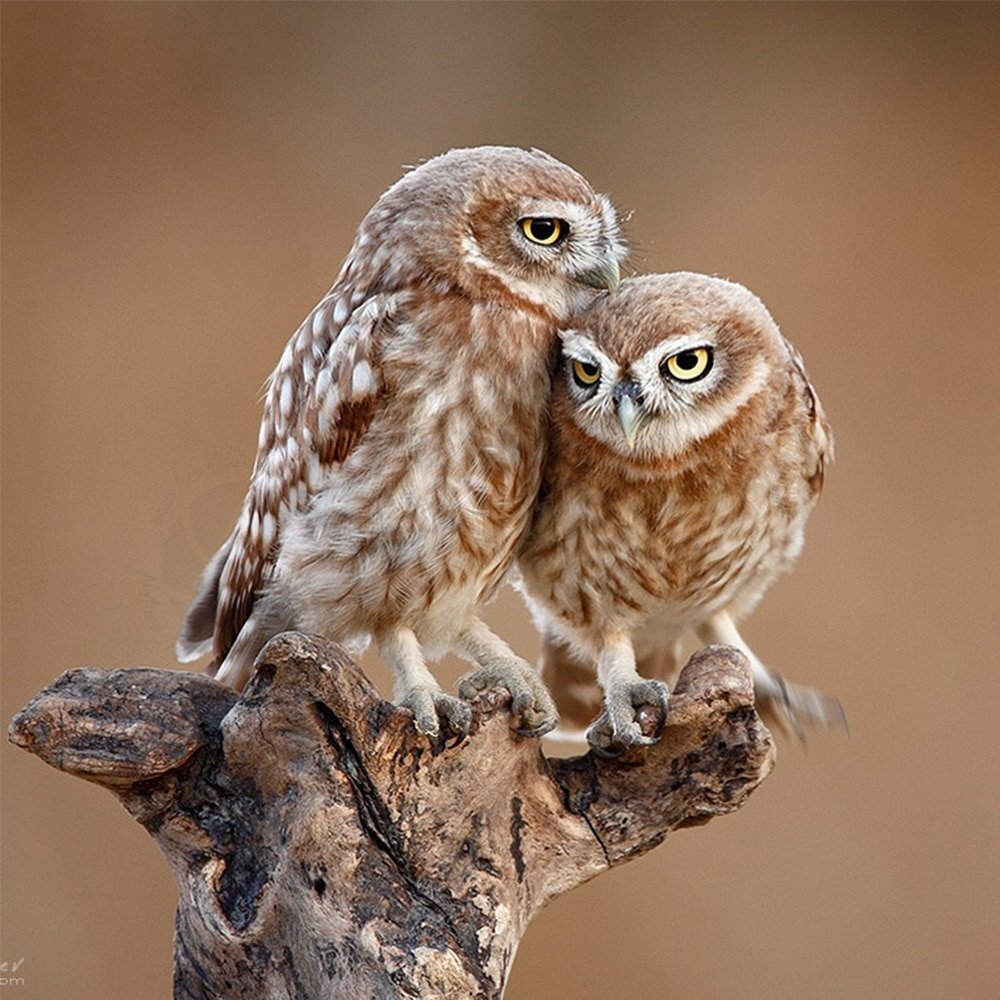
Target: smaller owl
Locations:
point(688, 449)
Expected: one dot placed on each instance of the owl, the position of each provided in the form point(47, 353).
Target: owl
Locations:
point(403, 432)
point(688, 449)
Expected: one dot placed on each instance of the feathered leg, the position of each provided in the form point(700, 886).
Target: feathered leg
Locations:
point(624, 692)
point(532, 710)
point(416, 688)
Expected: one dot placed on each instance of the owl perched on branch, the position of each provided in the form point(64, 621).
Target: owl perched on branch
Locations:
point(401, 446)
point(688, 450)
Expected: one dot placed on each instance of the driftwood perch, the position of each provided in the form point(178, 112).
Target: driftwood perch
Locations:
point(323, 849)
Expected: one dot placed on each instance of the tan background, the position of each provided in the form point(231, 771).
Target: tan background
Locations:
point(180, 184)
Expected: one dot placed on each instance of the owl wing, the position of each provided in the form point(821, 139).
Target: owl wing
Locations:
point(819, 454)
point(319, 402)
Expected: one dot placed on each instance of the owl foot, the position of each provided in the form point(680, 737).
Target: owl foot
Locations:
point(431, 707)
point(532, 711)
point(792, 709)
point(629, 709)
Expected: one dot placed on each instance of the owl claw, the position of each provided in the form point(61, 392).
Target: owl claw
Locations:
point(623, 725)
point(532, 711)
point(431, 707)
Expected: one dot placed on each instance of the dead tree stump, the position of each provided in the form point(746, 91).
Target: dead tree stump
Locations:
point(324, 849)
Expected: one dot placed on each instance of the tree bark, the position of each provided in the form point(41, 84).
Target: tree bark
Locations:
point(323, 848)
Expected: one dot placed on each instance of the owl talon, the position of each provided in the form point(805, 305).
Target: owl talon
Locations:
point(621, 725)
point(607, 740)
point(431, 707)
point(532, 711)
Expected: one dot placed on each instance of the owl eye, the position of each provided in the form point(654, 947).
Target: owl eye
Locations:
point(688, 366)
point(585, 374)
point(547, 232)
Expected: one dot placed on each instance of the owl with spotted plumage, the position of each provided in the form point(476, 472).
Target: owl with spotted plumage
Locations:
point(404, 428)
point(688, 450)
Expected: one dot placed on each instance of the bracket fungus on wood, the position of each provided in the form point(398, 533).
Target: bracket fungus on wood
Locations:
point(323, 848)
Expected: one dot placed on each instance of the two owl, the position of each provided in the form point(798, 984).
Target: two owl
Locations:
point(403, 448)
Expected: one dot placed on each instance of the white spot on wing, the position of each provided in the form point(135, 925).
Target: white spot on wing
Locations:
point(319, 320)
point(287, 355)
point(362, 379)
point(269, 531)
point(286, 398)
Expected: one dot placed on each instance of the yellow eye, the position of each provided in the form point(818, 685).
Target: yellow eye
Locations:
point(585, 374)
point(547, 232)
point(689, 366)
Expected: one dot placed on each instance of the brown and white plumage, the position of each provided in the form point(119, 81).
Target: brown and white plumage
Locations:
point(688, 449)
point(404, 428)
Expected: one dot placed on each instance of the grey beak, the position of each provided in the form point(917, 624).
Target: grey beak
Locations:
point(632, 416)
point(605, 275)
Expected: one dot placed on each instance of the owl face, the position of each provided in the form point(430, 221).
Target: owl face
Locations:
point(503, 225)
point(665, 362)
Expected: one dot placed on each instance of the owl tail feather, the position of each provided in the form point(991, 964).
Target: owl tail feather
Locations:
point(237, 668)
point(791, 709)
point(198, 627)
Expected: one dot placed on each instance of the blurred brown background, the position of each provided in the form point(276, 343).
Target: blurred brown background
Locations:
point(180, 183)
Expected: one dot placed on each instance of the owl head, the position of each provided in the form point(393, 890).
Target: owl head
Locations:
point(499, 224)
point(664, 362)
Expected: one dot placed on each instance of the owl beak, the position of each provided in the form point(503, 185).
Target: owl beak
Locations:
point(605, 275)
point(627, 397)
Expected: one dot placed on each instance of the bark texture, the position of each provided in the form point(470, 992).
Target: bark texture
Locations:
point(324, 849)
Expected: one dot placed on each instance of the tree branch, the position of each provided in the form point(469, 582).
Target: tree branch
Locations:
point(323, 848)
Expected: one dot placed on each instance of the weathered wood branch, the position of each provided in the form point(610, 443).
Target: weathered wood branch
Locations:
point(325, 849)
